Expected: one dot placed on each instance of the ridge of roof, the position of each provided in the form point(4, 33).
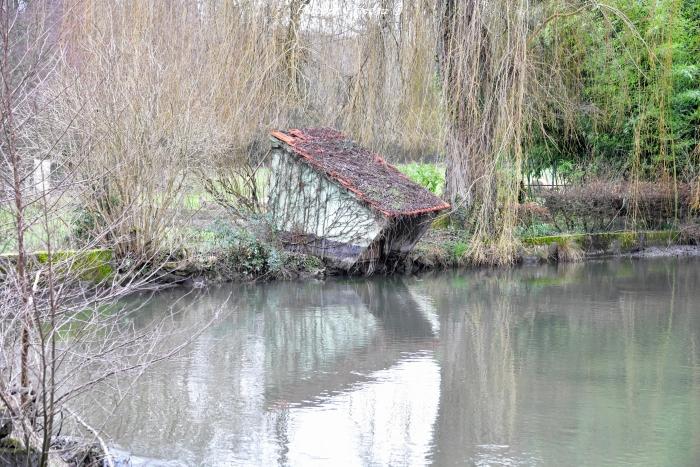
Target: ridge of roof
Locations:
point(362, 172)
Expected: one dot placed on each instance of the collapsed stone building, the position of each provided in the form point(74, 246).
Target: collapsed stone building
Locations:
point(335, 199)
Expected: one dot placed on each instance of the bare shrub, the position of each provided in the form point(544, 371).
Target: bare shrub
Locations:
point(239, 184)
point(137, 125)
point(690, 233)
point(531, 213)
point(61, 312)
point(603, 205)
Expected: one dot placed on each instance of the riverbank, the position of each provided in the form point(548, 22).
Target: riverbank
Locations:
point(667, 252)
point(445, 249)
point(440, 249)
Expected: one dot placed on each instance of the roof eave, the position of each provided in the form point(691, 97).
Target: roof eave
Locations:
point(417, 212)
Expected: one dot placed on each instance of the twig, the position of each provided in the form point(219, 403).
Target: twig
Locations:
point(103, 445)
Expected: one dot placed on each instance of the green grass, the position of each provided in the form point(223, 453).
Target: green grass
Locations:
point(429, 176)
point(626, 239)
point(90, 265)
point(549, 239)
point(537, 230)
point(36, 235)
point(195, 201)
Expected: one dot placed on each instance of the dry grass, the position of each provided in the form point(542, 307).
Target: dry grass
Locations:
point(568, 251)
point(542, 252)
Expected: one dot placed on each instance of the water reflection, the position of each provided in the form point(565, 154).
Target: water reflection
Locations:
point(594, 364)
point(387, 421)
point(478, 386)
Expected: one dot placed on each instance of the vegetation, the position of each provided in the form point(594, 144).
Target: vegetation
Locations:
point(168, 145)
point(430, 176)
point(129, 128)
point(637, 120)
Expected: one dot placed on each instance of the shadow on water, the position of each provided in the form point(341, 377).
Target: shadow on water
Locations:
point(583, 364)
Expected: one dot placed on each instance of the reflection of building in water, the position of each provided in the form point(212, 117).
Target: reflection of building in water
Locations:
point(343, 363)
point(340, 391)
point(387, 421)
point(336, 343)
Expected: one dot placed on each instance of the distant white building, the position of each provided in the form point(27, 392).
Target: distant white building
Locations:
point(41, 175)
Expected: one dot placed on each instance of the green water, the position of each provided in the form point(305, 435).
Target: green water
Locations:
point(592, 364)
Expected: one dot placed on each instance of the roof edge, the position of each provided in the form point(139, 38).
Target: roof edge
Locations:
point(282, 136)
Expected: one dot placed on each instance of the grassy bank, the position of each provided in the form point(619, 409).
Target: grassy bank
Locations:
point(243, 257)
point(444, 248)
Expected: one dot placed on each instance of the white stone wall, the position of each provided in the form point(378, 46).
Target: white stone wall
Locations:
point(304, 201)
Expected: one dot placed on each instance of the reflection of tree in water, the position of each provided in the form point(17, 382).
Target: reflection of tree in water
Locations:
point(660, 327)
point(478, 385)
point(194, 397)
point(478, 389)
point(285, 345)
point(547, 362)
point(603, 353)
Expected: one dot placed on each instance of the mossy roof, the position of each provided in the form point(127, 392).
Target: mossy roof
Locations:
point(362, 172)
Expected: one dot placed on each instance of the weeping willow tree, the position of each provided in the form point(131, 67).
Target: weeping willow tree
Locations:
point(605, 89)
point(483, 54)
point(390, 98)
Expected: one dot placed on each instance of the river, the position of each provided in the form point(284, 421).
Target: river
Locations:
point(592, 364)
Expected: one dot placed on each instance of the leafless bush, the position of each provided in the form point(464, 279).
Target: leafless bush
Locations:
point(531, 213)
point(61, 310)
point(602, 205)
point(239, 184)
